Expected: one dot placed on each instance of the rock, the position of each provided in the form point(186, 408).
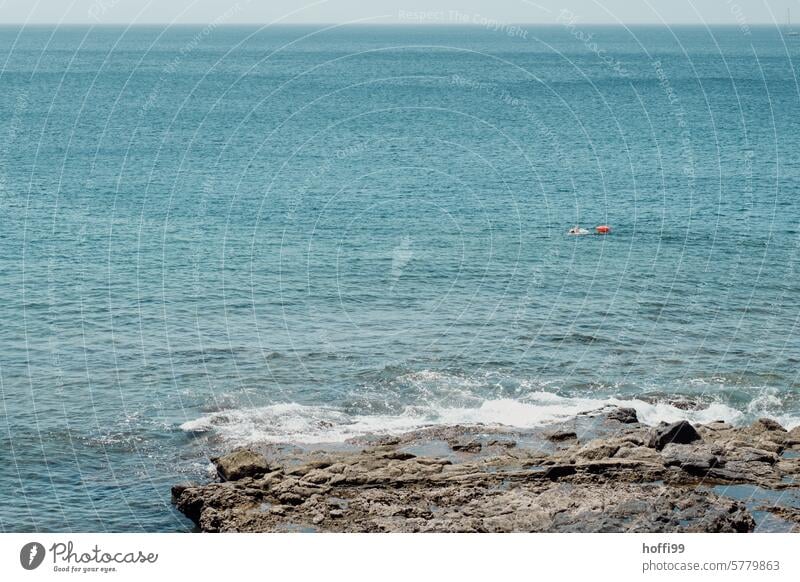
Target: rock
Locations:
point(611, 483)
point(189, 500)
point(681, 432)
point(793, 437)
point(685, 403)
point(651, 508)
point(623, 415)
point(397, 455)
point(505, 443)
point(239, 464)
point(636, 438)
point(639, 453)
point(558, 471)
point(767, 429)
point(610, 467)
point(678, 401)
point(179, 488)
point(775, 445)
point(789, 514)
point(694, 460)
point(598, 450)
point(466, 446)
point(728, 474)
point(717, 425)
point(767, 424)
point(562, 435)
point(752, 455)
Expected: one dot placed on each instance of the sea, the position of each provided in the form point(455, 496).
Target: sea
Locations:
point(220, 236)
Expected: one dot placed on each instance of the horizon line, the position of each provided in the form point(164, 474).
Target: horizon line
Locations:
point(395, 23)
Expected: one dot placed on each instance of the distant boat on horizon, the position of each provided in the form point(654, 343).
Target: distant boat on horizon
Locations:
point(789, 31)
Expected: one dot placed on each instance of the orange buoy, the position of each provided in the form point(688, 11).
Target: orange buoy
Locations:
point(603, 229)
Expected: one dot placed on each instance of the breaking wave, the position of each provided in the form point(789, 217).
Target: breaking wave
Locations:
point(304, 424)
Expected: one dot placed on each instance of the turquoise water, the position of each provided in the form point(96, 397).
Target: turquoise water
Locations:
point(217, 236)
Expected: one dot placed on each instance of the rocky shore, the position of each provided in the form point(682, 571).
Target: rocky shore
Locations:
point(603, 472)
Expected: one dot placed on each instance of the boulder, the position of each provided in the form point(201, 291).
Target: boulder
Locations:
point(623, 415)
point(239, 464)
point(680, 433)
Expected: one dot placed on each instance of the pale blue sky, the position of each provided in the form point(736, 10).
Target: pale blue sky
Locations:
point(751, 12)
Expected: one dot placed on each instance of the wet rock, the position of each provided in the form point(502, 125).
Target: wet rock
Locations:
point(679, 402)
point(731, 473)
point(686, 403)
point(623, 415)
point(681, 432)
point(239, 464)
point(505, 443)
point(466, 446)
point(790, 514)
point(562, 435)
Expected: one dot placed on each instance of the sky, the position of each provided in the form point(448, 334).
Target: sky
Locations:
point(734, 12)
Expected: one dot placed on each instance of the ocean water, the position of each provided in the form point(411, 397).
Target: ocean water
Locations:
point(223, 235)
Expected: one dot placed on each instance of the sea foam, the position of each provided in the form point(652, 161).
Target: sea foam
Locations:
point(292, 422)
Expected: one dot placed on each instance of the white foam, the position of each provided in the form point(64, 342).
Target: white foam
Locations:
point(770, 404)
point(318, 424)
